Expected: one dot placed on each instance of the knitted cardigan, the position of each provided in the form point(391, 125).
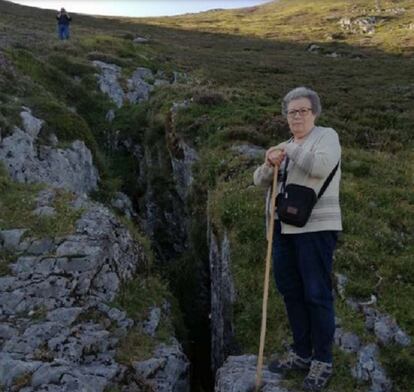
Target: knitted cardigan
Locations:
point(310, 163)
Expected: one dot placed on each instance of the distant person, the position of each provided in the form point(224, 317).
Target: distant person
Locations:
point(64, 20)
point(303, 251)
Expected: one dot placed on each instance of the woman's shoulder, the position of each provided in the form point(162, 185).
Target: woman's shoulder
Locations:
point(325, 130)
point(326, 133)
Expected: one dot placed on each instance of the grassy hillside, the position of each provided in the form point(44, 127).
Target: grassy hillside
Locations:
point(240, 64)
point(305, 21)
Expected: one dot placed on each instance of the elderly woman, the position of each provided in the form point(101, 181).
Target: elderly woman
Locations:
point(302, 256)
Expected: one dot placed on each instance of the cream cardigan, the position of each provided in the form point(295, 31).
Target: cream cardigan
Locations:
point(310, 163)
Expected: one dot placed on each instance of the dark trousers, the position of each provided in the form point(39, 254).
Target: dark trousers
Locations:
point(302, 265)
point(63, 31)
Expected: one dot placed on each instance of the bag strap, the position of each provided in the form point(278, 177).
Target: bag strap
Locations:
point(324, 186)
point(285, 174)
point(328, 180)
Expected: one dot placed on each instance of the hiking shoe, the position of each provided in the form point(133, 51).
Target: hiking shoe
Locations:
point(318, 376)
point(291, 361)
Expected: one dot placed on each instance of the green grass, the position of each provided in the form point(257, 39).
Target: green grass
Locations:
point(137, 298)
point(301, 21)
point(5, 259)
point(17, 202)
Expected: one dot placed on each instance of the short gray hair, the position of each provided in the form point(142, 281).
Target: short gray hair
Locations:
point(302, 92)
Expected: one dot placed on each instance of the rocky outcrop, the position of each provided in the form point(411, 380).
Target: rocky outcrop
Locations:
point(139, 85)
point(123, 204)
point(140, 40)
point(54, 284)
point(347, 341)
point(386, 330)
point(385, 327)
point(182, 169)
point(26, 161)
point(163, 214)
point(238, 374)
point(365, 25)
point(168, 370)
point(369, 369)
point(249, 151)
point(57, 332)
point(222, 299)
point(165, 172)
point(182, 155)
point(108, 82)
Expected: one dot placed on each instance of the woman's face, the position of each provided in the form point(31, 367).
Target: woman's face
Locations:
point(300, 118)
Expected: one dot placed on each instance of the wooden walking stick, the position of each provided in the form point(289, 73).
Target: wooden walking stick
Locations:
point(266, 279)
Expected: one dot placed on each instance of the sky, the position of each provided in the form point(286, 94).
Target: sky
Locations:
point(136, 8)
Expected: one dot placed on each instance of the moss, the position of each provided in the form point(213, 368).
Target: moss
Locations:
point(39, 314)
point(23, 380)
point(107, 58)
point(41, 72)
point(71, 65)
point(131, 121)
point(137, 297)
point(135, 346)
point(18, 202)
point(4, 178)
point(9, 116)
point(141, 239)
point(399, 364)
point(63, 222)
point(56, 77)
point(96, 317)
point(67, 126)
point(5, 259)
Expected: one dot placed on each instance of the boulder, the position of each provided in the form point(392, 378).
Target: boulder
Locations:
point(108, 81)
point(167, 370)
point(238, 374)
point(70, 168)
point(369, 369)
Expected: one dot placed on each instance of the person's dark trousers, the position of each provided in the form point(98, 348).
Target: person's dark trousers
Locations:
point(302, 265)
point(63, 30)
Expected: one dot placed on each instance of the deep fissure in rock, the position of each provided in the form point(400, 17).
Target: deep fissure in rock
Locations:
point(175, 221)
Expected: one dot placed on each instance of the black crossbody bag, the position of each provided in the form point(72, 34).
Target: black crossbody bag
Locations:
point(295, 202)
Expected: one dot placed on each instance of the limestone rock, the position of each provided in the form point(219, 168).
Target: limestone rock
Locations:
point(31, 124)
point(43, 307)
point(10, 239)
point(385, 327)
point(182, 168)
point(11, 369)
point(108, 81)
point(249, 151)
point(140, 40)
point(166, 371)
point(369, 369)
point(70, 168)
point(222, 299)
point(124, 204)
point(238, 374)
point(347, 341)
point(139, 85)
point(150, 326)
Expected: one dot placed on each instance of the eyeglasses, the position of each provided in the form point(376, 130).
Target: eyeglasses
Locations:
point(302, 112)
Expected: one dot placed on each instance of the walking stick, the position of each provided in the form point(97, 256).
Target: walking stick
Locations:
point(266, 279)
